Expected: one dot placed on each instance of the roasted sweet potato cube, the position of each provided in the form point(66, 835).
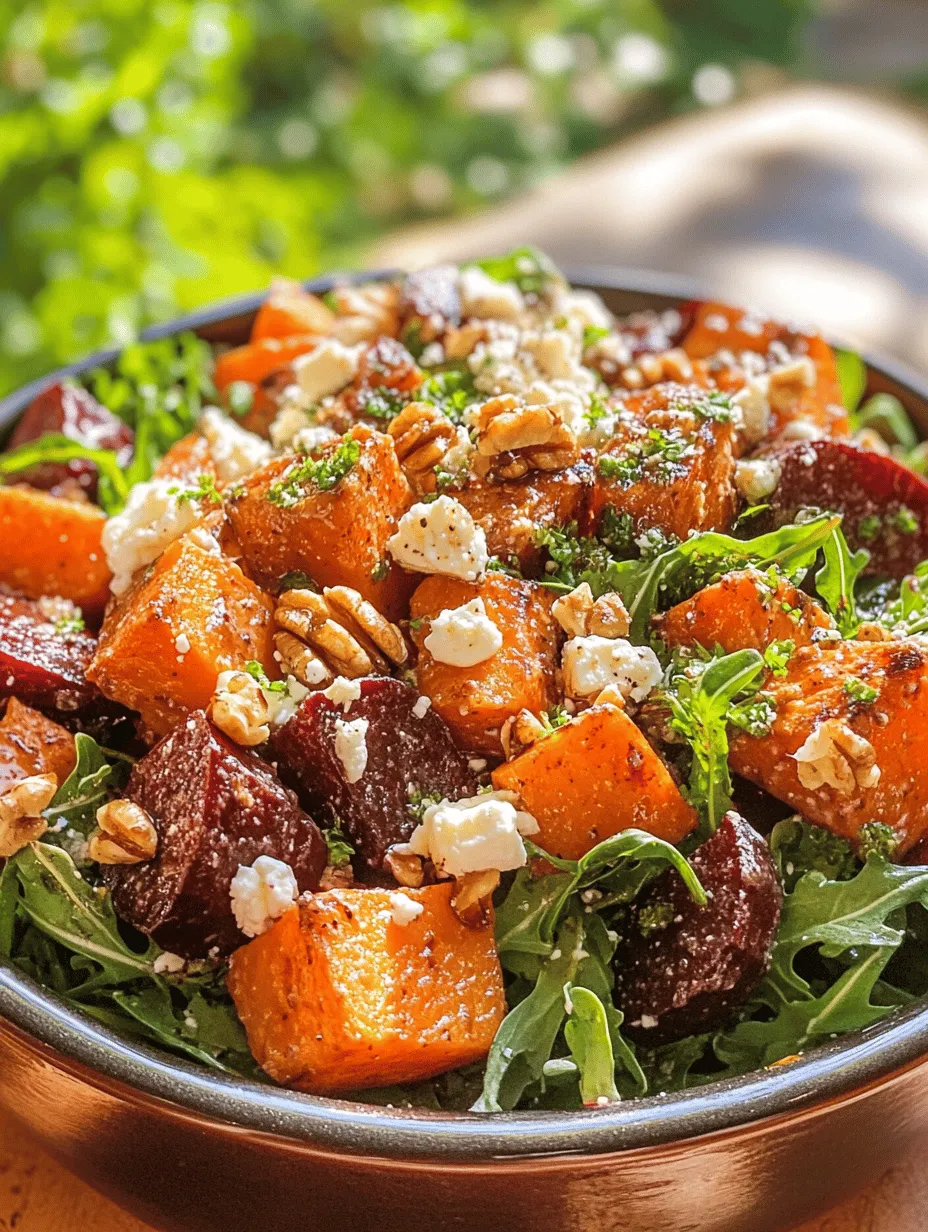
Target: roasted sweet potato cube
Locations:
point(838, 757)
point(409, 756)
point(256, 360)
point(590, 779)
point(670, 465)
point(338, 996)
point(32, 744)
point(512, 511)
point(476, 701)
point(192, 616)
point(289, 311)
point(744, 610)
point(186, 459)
point(339, 536)
point(52, 547)
point(215, 806)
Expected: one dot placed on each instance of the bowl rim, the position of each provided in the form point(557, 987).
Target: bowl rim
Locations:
point(833, 1071)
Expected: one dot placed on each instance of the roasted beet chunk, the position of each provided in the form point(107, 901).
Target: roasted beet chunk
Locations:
point(885, 505)
point(73, 412)
point(215, 806)
point(683, 968)
point(43, 664)
point(429, 301)
point(410, 756)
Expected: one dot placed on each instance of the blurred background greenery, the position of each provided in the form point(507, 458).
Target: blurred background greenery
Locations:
point(155, 155)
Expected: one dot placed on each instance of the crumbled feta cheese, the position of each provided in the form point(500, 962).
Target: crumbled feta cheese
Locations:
point(484, 297)
point(261, 894)
point(648, 1022)
point(756, 478)
point(288, 421)
point(312, 438)
point(421, 708)
point(463, 636)
point(182, 643)
point(351, 746)
point(592, 663)
point(473, 835)
point(283, 704)
point(152, 519)
point(326, 369)
point(556, 353)
point(751, 409)
point(803, 430)
point(343, 692)
point(235, 452)
point(833, 755)
point(403, 909)
point(458, 456)
point(583, 308)
point(168, 963)
point(440, 537)
point(432, 355)
point(203, 539)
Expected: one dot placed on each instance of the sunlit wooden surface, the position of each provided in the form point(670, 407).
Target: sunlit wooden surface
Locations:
point(36, 1195)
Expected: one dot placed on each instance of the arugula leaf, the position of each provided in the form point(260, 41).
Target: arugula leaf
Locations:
point(530, 269)
point(907, 614)
point(799, 847)
point(112, 486)
point(586, 1033)
point(72, 813)
point(852, 377)
point(836, 579)
point(886, 415)
point(700, 698)
point(693, 564)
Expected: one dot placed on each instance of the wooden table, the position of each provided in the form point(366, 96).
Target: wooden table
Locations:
point(36, 1195)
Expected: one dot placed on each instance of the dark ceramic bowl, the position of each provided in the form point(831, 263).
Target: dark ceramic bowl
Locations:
point(186, 1149)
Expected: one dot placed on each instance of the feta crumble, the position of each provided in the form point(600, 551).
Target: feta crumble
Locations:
point(484, 297)
point(421, 708)
point(168, 963)
point(261, 894)
point(756, 478)
point(235, 451)
point(403, 909)
point(592, 663)
point(343, 692)
point(440, 537)
point(351, 746)
point(151, 520)
point(326, 369)
point(473, 835)
point(463, 636)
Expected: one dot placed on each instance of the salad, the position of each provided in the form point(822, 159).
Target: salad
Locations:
point(458, 696)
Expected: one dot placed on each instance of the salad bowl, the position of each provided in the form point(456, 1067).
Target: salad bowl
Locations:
point(184, 1148)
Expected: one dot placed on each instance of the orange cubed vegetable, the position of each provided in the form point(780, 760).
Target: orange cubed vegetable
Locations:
point(52, 547)
point(476, 701)
point(32, 744)
point(669, 465)
point(337, 996)
point(590, 779)
point(190, 617)
point(186, 459)
point(256, 360)
point(839, 759)
point(337, 536)
point(289, 311)
point(511, 511)
point(741, 611)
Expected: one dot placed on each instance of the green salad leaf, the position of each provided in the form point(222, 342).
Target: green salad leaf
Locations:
point(113, 483)
point(587, 1035)
point(529, 268)
point(852, 377)
point(836, 579)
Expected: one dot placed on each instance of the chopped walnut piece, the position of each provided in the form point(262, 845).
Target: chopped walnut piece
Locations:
point(519, 731)
point(473, 896)
point(520, 438)
point(21, 820)
point(406, 868)
point(344, 633)
point(572, 611)
point(240, 710)
point(125, 834)
point(422, 436)
point(835, 756)
point(608, 617)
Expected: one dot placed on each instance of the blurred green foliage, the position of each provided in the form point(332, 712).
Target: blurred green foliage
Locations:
point(156, 154)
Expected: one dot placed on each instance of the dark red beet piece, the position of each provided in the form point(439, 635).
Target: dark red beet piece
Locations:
point(75, 413)
point(429, 300)
point(407, 757)
point(215, 806)
point(687, 976)
point(885, 505)
point(46, 669)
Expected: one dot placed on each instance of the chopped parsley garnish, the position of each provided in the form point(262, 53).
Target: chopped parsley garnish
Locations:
point(905, 521)
point(508, 565)
point(322, 473)
point(256, 671)
point(205, 490)
point(756, 717)
point(381, 402)
point(339, 849)
point(616, 530)
point(656, 456)
point(869, 527)
point(597, 411)
point(296, 579)
point(381, 569)
point(877, 838)
point(777, 656)
point(450, 391)
point(70, 624)
point(859, 691)
point(592, 334)
point(655, 916)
